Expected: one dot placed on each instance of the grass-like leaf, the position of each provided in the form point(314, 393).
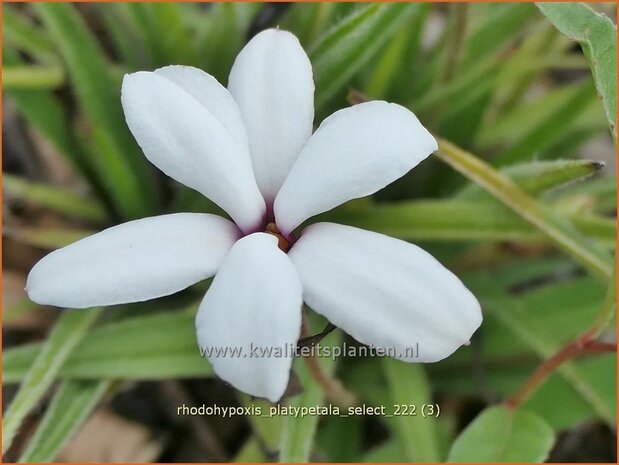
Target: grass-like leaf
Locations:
point(298, 433)
point(69, 408)
point(54, 198)
point(19, 31)
point(459, 220)
point(120, 165)
point(597, 35)
point(558, 229)
point(408, 385)
point(151, 347)
point(32, 77)
point(46, 238)
point(536, 177)
point(67, 333)
point(343, 50)
point(502, 435)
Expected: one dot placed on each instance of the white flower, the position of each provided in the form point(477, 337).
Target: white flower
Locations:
point(250, 149)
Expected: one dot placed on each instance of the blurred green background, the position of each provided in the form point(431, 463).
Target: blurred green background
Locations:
point(517, 85)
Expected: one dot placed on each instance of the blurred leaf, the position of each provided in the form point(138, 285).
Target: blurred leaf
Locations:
point(457, 220)
point(532, 307)
point(67, 411)
point(223, 35)
point(602, 191)
point(549, 130)
point(409, 385)
point(536, 177)
point(502, 435)
point(251, 452)
point(150, 347)
point(20, 31)
point(44, 112)
point(121, 166)
point(597, 35)
point(340, 439)
point(41, 372)
point(342, 51)
point(541, 321)
point(496, 30)
point(32, 77)
point(298, 433)
point(308, 20)
point(46, 237)
point(558, 229)
point(165, 35)
point(125, 39)
point(54, 198)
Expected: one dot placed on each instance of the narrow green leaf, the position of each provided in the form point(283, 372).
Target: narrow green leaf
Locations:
point(597, 35)
point(343, 50)
point(536, 177)
point(121, 166)
point(521, 120)
point(165, 34)
point(408, 385)
point(55, 198)
point(19, 31)
point(298, 433)
point(497, 29)
point(223, 35)
point(67, 333)
point(549, 130)
point(458, 220)
point(32, 77)
point(502, 435)
point(47, 238)
point(151, 347)
point(558, 229)
point(69, 408)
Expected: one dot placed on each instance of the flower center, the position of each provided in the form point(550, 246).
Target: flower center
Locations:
point(282, 242)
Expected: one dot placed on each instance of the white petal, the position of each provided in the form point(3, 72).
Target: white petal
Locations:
point(355, 152)
point(272, 82)
point(210, 93)
point(384, 292)
point(134, 261)
point(200, 146)
point(253, 302)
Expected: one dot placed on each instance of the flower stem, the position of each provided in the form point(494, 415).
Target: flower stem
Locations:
point(586, 343)
point(333, 389)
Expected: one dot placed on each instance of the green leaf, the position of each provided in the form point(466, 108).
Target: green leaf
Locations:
point(298, 433)
point(47, 238)
point(502, 435)
point(151, 347)
point(408, 385)
point(597, 35)
point(44, 112)
point(54, 198)
point(550, 130)
point(522, 120)
point(557, 228)
point(120, 165)
point(32, 77)
point(69, 408)
point(164, 32)
point(19, 31)
point(67, 333)
point(222, 36)
point(342, 51)
point(458, 220)
point(536, 177)
point(498, 29)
